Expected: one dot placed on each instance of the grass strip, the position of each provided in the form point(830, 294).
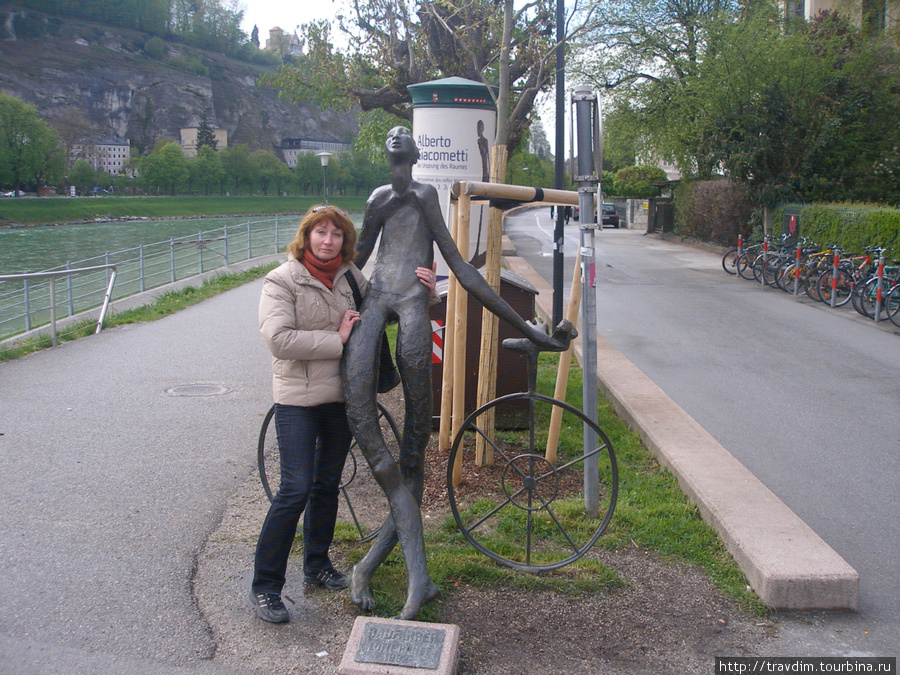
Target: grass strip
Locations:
point(55, 210)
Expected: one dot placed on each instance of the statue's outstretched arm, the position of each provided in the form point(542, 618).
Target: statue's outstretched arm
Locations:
point(471, 279)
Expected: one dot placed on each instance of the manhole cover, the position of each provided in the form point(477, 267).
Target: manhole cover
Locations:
point(198, 390)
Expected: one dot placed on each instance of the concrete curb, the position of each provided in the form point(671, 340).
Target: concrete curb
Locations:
point(788, 565)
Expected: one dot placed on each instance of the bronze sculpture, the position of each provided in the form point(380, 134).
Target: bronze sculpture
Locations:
point(408, 216)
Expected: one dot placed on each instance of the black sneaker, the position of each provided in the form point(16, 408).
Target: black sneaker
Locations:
point(269, 607)
point(328, 578)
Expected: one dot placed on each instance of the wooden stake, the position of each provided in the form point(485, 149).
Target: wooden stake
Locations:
point(490, 322)
point(447, 365)
point(463, 211)
point(565, 361)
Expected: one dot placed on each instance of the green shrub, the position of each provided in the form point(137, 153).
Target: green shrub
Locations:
point(712, 210)
point(155, 48)
point(852, 227)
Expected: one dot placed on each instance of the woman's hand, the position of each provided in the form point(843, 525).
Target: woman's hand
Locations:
point(427, 276)
point(351, 316)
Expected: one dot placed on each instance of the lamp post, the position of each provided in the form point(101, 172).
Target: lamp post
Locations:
point(324, 156)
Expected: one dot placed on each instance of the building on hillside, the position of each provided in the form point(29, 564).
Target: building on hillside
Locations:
point(291, 148)
point(105, 154)
point(870, 15)
point(283, 43)
point(189, 137)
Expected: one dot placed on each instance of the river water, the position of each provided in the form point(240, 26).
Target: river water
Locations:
point(34, 249)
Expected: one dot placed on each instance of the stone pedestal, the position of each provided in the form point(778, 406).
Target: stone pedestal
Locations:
point(394, 647)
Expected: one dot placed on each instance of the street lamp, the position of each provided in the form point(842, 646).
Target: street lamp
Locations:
point(324, 156)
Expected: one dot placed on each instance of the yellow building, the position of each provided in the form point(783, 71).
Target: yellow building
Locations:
point(189, 138)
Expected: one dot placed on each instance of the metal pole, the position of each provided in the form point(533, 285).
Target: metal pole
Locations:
point(27, 306)
point(143, 280)
point(559, 178)
point(71, 302)
point(172, 257)
point(797, 271)
point(834, 278)
point(52, 281)
point(584, 101)
point(200, 249)
point(325, 183)
point(879, 285)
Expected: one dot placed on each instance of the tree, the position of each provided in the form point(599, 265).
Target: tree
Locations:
point(205, 135)
point(271, 170)
point(395, 43)
point(240, 166)
point(82, 175)
point(308, 172)
point(206, 168)
point(254, 36)
point(30, 150)
point(642, 54)
point(801, 114)
point(165, 167)
point(637, 181)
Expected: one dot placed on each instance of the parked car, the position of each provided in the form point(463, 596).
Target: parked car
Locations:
point(12, 193)
point(609, 215)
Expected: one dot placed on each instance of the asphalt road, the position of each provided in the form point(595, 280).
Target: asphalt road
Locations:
point(110, 487)
point(805, 396)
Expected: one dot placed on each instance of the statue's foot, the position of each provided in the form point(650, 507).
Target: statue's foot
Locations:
point(360, 595)
point(416, 598)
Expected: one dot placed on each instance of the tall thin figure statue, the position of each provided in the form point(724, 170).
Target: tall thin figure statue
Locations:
point(407, 214)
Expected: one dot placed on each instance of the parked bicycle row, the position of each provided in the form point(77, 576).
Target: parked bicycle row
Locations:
point(828, 273)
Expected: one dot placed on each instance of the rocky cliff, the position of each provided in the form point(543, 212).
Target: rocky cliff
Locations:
point(92, 81)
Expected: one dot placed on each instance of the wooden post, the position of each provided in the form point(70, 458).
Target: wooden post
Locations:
point(565, 360)
point(487, 369)
point(463, 211)
point(449, 344)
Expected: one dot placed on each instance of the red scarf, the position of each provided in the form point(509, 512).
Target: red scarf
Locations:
point(322, 270)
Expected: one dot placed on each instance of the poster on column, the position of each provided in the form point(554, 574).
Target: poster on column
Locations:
point(454, 122)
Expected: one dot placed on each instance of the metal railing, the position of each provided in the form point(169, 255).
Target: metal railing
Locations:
point(29, 301)
point(51, 278)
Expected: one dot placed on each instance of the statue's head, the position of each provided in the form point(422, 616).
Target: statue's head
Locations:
point(401, 147)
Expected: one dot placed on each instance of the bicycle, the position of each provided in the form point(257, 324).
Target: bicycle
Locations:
point(268, 461)
point(529, 493)
point(532, 493)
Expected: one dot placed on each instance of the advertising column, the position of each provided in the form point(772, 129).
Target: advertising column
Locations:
point(454, 121)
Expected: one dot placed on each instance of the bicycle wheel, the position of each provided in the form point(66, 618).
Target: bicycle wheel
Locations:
point(268, 461)
point(891, 303)
point(729, 261)
point(865, 296)
point(745, 266)
point(524, 511)
point(842, 290)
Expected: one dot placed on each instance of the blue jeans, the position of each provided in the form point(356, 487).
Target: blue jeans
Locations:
point(313, 443)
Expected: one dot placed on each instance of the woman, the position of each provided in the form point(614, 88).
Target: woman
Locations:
point(306, 314)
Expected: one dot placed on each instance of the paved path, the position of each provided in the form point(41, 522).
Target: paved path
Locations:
point(109, 487)
point(804, 396)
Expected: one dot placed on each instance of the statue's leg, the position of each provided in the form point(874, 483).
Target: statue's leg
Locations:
point(359, 373)
point(414, 363)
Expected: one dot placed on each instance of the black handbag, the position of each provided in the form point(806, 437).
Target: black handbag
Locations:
point(388, 376)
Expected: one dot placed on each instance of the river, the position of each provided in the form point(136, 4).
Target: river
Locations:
point(34, 249)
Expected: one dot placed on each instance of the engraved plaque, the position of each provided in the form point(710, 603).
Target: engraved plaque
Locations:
point(398, 645)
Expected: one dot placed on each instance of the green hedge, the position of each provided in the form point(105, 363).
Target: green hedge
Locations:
point(852, 227)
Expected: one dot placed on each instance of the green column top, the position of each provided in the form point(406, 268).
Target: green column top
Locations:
point(452, 92)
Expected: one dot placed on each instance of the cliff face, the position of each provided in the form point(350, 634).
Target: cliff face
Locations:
point(90, 81)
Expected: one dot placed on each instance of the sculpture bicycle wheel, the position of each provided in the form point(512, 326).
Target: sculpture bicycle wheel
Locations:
point(526, 511)
point(268, 461)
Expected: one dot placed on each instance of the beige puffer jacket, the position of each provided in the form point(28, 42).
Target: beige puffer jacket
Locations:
point(299, 319)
